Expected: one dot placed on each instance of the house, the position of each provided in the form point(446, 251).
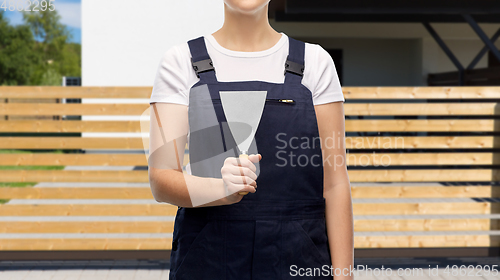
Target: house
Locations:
point(387, 43)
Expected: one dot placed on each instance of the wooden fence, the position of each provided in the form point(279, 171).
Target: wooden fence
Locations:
point(422, 162)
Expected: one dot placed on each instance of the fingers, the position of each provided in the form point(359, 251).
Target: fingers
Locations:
point(240, 172)
point(247, 188)
point(245, 172)
point(241, 180)
point(232, 188)
point(245, 168)
point(239, 176)
point(243, 162)
point(255, 158)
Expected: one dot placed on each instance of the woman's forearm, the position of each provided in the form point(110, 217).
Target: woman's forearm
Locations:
point(340, 229)
point(167, 142)
point(174, 187)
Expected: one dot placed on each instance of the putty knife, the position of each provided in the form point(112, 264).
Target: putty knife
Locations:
point(243, 107)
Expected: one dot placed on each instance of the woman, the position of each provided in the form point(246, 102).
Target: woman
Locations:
point(298, 222)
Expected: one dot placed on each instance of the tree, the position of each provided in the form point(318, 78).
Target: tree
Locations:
point(18, 61)
point(37, 52)
point(59, 56)
point(46, 27)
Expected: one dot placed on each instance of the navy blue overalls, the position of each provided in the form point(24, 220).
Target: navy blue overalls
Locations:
point(281, 228)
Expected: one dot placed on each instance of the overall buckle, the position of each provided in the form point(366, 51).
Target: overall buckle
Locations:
point(294, 67)
point(202, 66)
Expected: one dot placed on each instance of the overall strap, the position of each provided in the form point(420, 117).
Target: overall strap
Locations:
point(294, 66)
point(202, 64)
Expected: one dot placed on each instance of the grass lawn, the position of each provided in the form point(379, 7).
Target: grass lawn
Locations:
point(24, 167)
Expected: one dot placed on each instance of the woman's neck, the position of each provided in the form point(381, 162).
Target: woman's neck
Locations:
point(246, 32)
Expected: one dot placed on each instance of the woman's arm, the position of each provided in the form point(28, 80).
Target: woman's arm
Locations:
point(337, 189)
point(168, 135)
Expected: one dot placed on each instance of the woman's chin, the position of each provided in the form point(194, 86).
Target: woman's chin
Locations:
point(246, 6)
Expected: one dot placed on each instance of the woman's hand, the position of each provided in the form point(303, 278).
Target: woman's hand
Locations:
point(239, 178)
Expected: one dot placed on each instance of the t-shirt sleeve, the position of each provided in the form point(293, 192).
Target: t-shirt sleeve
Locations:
point(326, 86)
point(171, 80)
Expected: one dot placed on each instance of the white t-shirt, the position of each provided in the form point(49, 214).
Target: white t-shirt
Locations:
point(175, 74)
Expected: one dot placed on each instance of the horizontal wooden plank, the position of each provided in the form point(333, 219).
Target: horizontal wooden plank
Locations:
point(421, 92)
point(420, 125)
point(87, 227)
point(425, 241)
point(54, 244)
point(38, 109)
point(357, 109)
point(145, 193)
point(167, 227)
point(73, 159)
point(380, 142)
point(349, 92)
point(424, 142)
point(165, 243)
point(76, 193)
point(69, 126)
point(160, 209)
point(415, 241)
point(350, 126)
point(74, 92)
point(353, 159)
point(420, 208)
point(361, 225)
point(73, 176)
point(392, 159)
point(41, 143)
point(422, 192)
point(424, 175)
point(170, 210)
point(421, 109)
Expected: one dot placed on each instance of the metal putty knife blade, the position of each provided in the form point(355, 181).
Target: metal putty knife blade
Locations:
point(243, 107)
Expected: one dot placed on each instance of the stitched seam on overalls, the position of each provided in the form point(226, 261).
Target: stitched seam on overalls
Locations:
point(282, 262)
point(225, 250)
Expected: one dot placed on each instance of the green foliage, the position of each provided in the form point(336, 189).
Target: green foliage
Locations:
point(37, 52)
point(18, 60)
point(31, 167)
point(71, 55)
point(46, 25)
point(51, 77)
point(17, 184)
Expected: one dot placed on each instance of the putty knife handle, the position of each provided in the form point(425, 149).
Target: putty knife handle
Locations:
point(243, 156)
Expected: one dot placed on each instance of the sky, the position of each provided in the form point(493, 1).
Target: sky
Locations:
point(69, 10)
